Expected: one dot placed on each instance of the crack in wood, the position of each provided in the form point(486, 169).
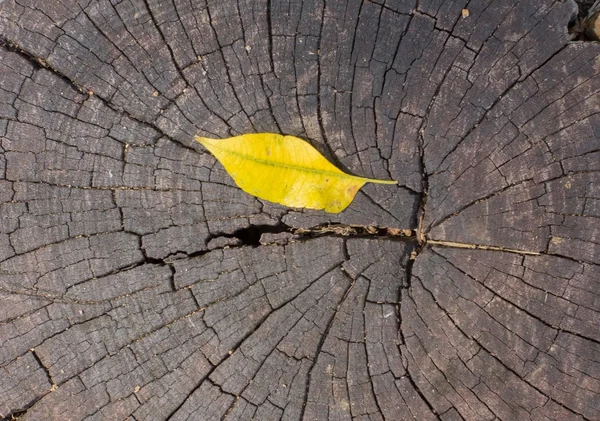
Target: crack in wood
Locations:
point(403, 234)
point(250, 234)
point(455, 244)
point(349, 230)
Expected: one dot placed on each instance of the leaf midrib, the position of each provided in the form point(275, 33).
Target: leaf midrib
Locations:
point(339, 174)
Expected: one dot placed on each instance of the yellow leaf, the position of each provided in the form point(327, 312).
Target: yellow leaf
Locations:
point(286, 170)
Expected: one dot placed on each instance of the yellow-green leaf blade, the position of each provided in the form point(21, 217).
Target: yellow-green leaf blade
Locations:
point(286, 170)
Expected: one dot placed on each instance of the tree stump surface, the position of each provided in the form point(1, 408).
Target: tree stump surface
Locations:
point(137, 282)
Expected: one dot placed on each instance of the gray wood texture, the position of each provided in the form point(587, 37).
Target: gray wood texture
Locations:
point(137, 282)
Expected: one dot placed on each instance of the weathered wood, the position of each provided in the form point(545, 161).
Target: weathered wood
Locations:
point(137, 282)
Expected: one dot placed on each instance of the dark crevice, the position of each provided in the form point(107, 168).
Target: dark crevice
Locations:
point(409, 269)
point(250, 235)
point(404, 286)
point(346, 254)
point(423, 196)
point(585, 24)
point(354, 231)
point(172, 281)
point(16, 415)
point(584, 7)
point(39, 361)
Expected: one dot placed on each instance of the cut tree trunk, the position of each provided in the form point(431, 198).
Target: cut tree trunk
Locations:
point(137, 282)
